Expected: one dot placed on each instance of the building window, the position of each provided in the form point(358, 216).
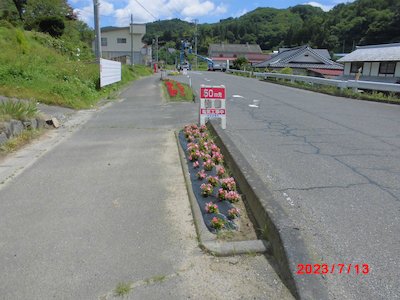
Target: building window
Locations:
point(234, 55)
point(387, 67)
point(121, 40)
point(355, 66)
point(221, 55)
point(104, 42)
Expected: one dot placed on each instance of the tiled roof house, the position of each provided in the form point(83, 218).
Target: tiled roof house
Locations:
point(375, 62)
point(223, 52)
point(304, 60)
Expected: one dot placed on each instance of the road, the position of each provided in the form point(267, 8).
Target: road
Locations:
point(103, 201)
point(334, 165)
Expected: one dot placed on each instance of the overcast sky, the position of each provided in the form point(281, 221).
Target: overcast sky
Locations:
point(117, 13)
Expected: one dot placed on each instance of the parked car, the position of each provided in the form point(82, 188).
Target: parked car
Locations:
point(217, 67)
point(186, 66)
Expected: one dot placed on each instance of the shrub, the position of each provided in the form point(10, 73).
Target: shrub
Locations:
point(52, 25)
point(286, 70)
point(18, 110)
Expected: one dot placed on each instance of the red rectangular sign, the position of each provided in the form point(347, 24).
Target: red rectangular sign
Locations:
point(212, 93)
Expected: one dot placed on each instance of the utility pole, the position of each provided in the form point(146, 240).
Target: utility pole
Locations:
point(157, 49)
point(131, 32)
point(97, 43)
point(195, 43)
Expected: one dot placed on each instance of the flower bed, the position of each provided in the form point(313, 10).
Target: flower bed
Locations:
point(176, 90)
point(215, 191)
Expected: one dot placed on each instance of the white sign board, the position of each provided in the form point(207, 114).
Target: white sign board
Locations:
point(110, 72)
point(212, 104)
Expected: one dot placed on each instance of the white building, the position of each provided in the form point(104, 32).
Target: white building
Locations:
point(376, 63)
point(116, 44)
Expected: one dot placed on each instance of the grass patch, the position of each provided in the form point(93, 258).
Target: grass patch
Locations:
point(18, 110)
point(38, 67)
point(122, 289)
point(17, 142)
point(155, 279)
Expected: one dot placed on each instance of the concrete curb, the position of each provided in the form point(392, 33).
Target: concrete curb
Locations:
point(207, 240)
point(287, 245)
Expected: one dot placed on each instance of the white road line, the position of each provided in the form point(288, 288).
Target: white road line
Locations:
point(237, 96)
point(208, 80)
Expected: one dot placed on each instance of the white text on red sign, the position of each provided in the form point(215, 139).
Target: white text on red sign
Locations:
point(212, 93)
point(212, 111)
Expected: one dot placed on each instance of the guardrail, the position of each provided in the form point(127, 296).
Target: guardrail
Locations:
point(342, 84)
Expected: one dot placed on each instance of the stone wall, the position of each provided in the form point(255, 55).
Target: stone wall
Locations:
point(14, 128)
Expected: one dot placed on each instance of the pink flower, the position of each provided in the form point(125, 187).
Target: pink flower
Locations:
point(217, 223)
point(208, 165)
point(214, 148)
point(233, 213)
point(217, 158)
point(232, 196)
point(211, 208)
point(196, 164)
point(220, 171)
point(206, 157)
point(206, 189)
point(212, 180)
point(201, 175)
point(221, 194)
point(228, 184)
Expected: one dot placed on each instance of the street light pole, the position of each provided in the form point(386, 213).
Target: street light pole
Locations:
point(97, 43)
point(195, 43)
point(131, 32)
point(157, 49)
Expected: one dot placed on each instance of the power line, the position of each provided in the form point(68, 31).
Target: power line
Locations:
point(174, 12)
point(146, 9)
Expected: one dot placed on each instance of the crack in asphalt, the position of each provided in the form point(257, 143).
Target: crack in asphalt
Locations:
point(286, 130)
point(322, 187)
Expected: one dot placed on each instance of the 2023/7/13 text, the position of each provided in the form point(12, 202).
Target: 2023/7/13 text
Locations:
point(318, 269)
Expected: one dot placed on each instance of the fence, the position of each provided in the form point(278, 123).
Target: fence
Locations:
point(110, 72)
point(342, 84)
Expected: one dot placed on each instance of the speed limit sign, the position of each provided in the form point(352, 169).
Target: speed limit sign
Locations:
point(212, 104)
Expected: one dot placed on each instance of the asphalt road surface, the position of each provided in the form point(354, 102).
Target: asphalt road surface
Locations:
point(334, 165)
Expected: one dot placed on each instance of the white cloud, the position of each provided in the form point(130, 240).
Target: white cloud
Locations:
point(322, 6)
point(221, 9)
point(197, 9)
point(153, 10)
point(240, 13)
point(167, 9)
point(106, 8)
point(85, 14)
point(342, 1)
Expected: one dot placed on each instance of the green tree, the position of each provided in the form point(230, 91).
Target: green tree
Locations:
point(36, 10)
point(19, 5)
point(240, 62)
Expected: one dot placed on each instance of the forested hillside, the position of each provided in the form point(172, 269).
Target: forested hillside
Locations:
point(54, 17)
point(345, 26)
